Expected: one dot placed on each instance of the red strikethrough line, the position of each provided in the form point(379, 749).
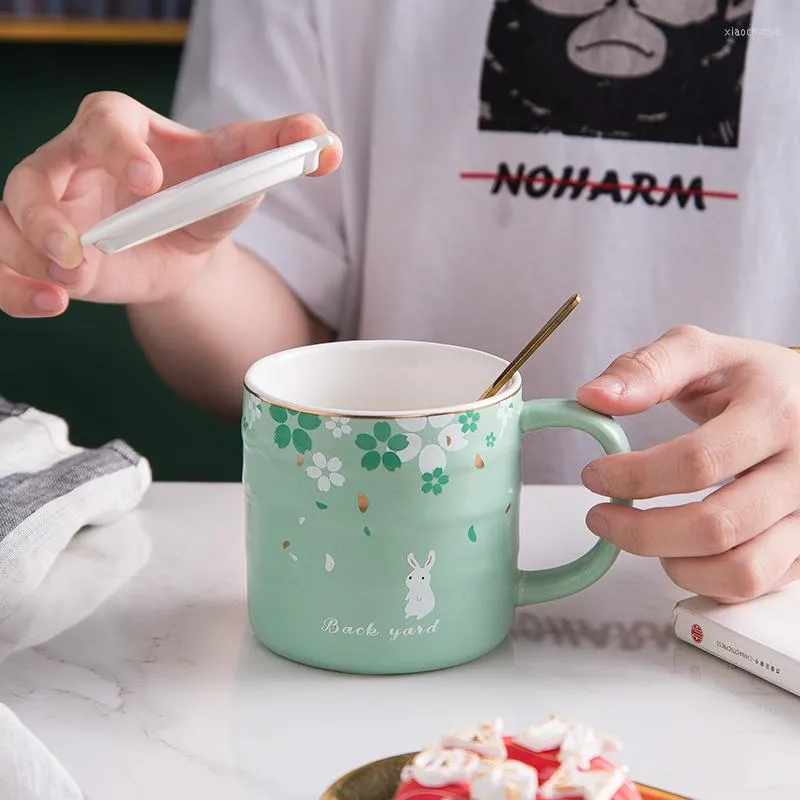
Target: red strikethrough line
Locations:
point(491, 176)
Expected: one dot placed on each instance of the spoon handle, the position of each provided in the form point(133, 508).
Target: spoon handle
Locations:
point(532, 346)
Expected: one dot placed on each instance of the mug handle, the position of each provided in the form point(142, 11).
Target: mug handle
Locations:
point(541, 585)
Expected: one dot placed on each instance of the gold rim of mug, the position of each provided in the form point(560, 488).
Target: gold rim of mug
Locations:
point(514, 388)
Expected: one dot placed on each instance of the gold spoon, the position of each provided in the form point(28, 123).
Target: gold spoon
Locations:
point(532, 346)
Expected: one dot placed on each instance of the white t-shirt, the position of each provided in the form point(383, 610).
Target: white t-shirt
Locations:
point(590, 112)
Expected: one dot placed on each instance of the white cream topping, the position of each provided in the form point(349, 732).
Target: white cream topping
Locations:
point(547, 736)
point(575, 741)
point(437, 766)
point(582, 744)
point(477, 755)
point(509, 780)
point(485, 739)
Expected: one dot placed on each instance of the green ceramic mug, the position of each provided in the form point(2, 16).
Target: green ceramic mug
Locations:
point(382, 504)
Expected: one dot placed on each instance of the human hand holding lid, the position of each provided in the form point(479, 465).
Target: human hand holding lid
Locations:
point(114, 153)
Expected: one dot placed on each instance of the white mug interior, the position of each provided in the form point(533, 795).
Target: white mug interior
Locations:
point(379, 378)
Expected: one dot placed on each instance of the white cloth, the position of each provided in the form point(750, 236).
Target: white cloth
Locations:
point(28, 771)
point(409, 239)
point(50, 490)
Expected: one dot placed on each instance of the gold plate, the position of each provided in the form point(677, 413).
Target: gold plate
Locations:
point(379, 781)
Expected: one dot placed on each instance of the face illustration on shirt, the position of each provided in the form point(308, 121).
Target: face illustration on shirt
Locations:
point(664, 70)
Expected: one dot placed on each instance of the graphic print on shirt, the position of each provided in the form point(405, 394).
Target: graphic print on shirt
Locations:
point(643, 70)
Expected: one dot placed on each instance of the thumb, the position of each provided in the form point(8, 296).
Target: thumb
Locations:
point(654, 374)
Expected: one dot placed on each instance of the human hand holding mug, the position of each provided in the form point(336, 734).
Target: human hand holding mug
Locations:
point(383, 504)
point(742, 540)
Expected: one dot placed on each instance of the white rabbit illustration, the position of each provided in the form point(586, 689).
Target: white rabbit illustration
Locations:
point(419, 599)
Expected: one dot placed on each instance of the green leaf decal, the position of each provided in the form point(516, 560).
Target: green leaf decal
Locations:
point(321, 506)
point(471, 535)
point(371, 460)
point(278, 414)
point(301, 440)
point(308, 421)
point(282, 436)
point(367, 531)
point(365, 442)
point(398, 442)
point(391, 461)
point(382, 430)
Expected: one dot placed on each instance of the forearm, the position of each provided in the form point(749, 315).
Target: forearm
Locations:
point(202, 342)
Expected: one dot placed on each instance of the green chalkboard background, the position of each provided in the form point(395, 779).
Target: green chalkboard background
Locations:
point(86, 366)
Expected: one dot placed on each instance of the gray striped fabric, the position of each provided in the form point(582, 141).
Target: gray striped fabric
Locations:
point(24, 493)
point(8, 409)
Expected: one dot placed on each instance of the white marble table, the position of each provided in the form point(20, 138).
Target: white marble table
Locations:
point(138, 671)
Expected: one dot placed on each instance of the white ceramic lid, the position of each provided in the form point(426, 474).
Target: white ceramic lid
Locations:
point(205, 195)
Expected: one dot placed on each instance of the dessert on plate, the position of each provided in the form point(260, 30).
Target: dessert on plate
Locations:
point(557, 760)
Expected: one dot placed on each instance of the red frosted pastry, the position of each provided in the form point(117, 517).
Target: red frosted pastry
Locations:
point(558, 760)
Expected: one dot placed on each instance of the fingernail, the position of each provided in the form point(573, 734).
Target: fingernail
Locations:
point(46, 301)
point(140, 174)
point(63, 249)
point(597, 524)
point(594, 481)
point(607, 384)
point(66, 277)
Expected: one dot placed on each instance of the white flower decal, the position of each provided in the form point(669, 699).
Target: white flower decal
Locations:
point(325, 472)
point(252, 411)
point(432, 456)
point(339, 426)
point(504, 414)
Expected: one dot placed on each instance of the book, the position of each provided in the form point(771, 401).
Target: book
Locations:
point(98, 9)
point(760, 636)
point(72, 9)
point(172, 9)
point(20, 8)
